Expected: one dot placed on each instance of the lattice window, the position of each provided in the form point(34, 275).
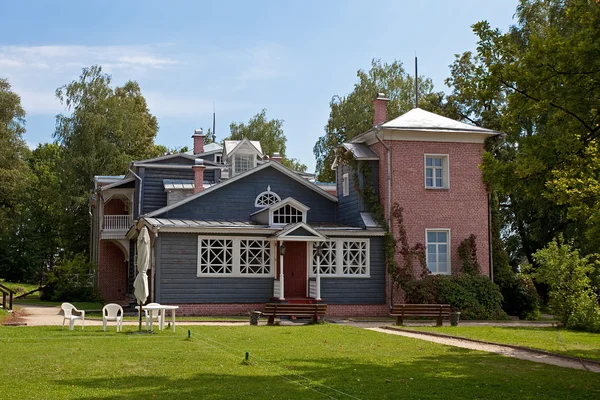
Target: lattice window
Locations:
point(215, 256)
point(243, 163)
point(267, 198)
point(287, 215)
point(355, 257)
point(328, 258)
point(255, 257)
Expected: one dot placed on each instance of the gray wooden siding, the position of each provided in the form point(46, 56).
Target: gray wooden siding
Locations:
point(359, 290)
point(176, 271)
point(235, 201)
point(348, 206)
point(154, 195)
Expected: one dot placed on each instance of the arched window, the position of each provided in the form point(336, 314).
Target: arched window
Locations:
point(266, 199)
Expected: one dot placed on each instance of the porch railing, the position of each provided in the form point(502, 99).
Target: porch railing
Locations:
point(117, 222)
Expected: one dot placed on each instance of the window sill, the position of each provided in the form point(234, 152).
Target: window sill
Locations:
point(437, 188)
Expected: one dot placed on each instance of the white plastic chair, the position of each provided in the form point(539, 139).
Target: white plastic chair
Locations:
point(152, 314)
point(112, 312)
point(68, 309)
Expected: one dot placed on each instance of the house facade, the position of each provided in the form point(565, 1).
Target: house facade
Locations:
point(229, 234)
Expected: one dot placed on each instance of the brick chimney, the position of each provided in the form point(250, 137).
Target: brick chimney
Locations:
point(380, 109)
point(198, 169)
point(276, 157)
point(198, 137)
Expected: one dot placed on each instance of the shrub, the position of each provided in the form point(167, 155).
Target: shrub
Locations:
point(467, 252)
point(520, 297)
point(475, 296)
point(568, 276)
point(72, 280)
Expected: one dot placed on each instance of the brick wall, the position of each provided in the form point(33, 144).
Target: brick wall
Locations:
point(112, 272)
point(463, 208)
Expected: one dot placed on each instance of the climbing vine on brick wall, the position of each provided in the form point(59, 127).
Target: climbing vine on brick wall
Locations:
point(467, 252)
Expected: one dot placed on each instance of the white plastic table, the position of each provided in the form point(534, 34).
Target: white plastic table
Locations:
point(162, 309)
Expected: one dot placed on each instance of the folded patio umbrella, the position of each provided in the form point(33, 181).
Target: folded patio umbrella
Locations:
point(140, 284)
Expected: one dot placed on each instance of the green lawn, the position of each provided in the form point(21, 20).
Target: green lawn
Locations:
point(297, 362)
point(562, 341)
point(20, 288)
point(81, 305)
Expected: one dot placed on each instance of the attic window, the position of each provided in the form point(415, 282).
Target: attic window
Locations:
point(287, 215)
point(243, 163)
point(267, 198)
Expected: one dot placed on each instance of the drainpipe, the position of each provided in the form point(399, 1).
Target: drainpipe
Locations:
point(139, 192)
point(490, 239)
point(389, 198)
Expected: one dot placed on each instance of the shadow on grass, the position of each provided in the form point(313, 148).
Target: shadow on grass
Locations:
point(457, 374)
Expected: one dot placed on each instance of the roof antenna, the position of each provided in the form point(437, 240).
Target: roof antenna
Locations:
point(416, 83)
point(214, 134)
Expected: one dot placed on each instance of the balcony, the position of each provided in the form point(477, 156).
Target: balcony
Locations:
point(116, 226)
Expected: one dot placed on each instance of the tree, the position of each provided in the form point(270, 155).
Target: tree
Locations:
point(540, 84)
point(107, 129)
point(15, 179)
point(352, 114)
point(270, 135)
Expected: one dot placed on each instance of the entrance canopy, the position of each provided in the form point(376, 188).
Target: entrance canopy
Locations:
point(298, 232)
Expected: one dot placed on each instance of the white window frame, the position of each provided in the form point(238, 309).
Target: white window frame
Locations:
point(235, 156)
point(236, 270)
point(345, 185)
point(219, 158)
point(266, 192)
point(272, 216)
point(339, 259)
point(448, 256)
point(445, 171)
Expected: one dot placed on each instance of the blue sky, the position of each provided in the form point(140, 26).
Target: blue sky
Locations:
point(287, 57)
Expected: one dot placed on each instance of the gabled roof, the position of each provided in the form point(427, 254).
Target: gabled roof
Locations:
point(279, 204)
point(269, 164)
point(299, 231)
point(231, 146)
point(165, 157)
point(419, 119)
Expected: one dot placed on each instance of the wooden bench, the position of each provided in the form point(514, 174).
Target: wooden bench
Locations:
point(437, 311)
point(314, 311)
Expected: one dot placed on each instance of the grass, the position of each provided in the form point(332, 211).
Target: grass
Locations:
point(81, 305)
point(20, 288)
point(561, 341)
point(298, 362)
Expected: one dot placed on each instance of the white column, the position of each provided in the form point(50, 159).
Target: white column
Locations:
point(281, 277)
point(318, 277)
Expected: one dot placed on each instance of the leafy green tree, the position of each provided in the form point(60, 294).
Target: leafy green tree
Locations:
point(572, 298)
point(538, 83)
point(352, 114)
point(270, 135)
point(15, 180)
point(106, 129)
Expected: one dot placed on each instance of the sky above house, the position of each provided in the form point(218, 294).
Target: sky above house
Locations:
point(289, 58)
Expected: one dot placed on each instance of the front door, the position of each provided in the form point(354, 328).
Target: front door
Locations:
point(294, 269)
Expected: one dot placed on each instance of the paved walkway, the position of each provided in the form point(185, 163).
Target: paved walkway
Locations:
point(499, 349)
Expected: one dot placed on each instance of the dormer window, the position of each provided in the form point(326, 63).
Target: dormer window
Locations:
point(288, 211)
point(287, 215)
point(243, 163)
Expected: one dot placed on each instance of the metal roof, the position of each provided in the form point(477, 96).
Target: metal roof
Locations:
point(193, 223)
point(230, 145)
point(361, 151)
point(418, 119)
point(174, 184)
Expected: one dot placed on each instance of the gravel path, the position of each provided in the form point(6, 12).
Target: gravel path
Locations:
point(490, 348)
